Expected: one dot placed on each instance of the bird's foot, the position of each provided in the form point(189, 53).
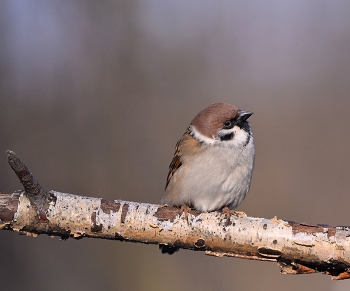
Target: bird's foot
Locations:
point(228, 212)
point(186, 209)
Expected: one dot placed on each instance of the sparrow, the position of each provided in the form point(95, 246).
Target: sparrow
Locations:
point(213, 162)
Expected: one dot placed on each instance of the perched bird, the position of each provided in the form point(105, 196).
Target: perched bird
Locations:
point(213, 162)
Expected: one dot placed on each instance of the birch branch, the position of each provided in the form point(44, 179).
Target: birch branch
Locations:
point(298, 248)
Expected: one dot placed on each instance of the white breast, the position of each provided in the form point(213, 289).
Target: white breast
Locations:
point(217, 178)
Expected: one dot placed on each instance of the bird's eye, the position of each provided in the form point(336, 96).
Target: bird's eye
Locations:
point(228, 124)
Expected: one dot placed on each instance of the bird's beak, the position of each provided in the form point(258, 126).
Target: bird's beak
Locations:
point(244, 115)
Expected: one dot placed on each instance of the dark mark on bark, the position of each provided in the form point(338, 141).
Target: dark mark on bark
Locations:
point(95, 227)
point(119, 237)
point(167, 213)
point(51, 198)
point(228, 222)
point(124, 212)
point(109, 205)
point(8, 206)
point(170, 213)
point(331, 231)
point(200, 243)
point(269, 253)
point(312, 228)
point(49, 230)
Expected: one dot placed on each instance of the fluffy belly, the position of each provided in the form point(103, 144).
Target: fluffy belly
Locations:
point(210, 184)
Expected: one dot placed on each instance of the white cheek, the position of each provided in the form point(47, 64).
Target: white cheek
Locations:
point(239, 139)
point(240, 135)
point(201, 137)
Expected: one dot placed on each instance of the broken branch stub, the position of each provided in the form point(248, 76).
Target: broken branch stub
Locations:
point(39, 196)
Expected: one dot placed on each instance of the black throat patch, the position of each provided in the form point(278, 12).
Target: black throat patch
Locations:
point(226, 137)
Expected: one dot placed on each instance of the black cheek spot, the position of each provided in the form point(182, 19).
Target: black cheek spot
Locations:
point(226, 137)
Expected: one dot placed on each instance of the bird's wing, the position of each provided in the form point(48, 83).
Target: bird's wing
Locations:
point(185, 145)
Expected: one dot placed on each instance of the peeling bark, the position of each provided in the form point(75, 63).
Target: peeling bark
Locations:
point(298, 248)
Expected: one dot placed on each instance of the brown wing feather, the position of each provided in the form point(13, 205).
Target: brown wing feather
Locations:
point(187, 145)
point(175, 162)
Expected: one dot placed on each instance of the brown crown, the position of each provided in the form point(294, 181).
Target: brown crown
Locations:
point(212, 117)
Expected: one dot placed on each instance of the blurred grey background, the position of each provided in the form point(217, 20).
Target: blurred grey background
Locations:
point(95, 94)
